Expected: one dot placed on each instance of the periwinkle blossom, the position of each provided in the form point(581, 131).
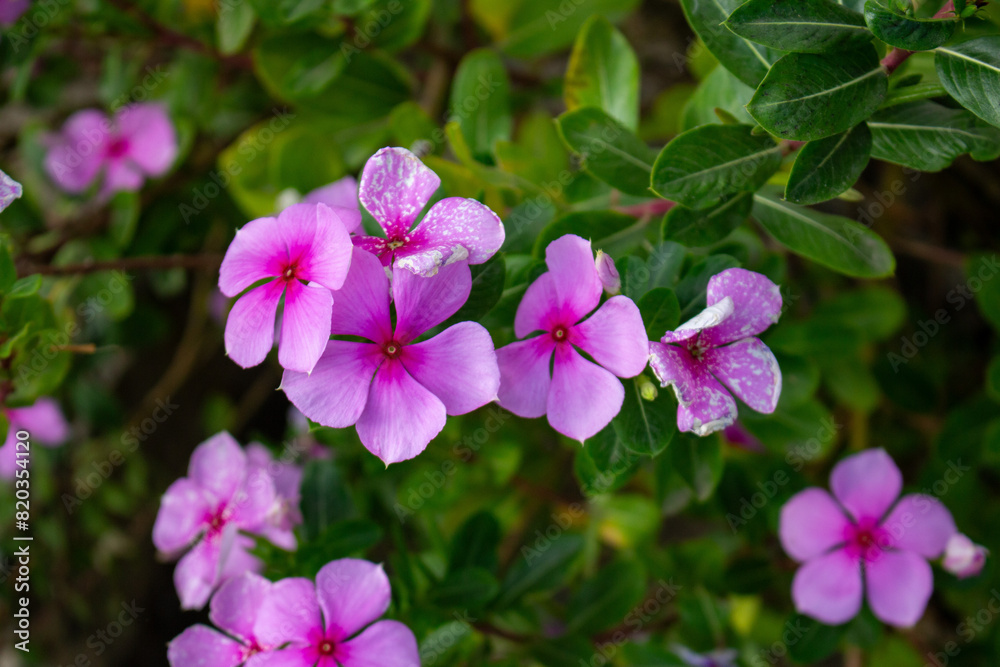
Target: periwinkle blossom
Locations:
point(279, 524)
point(9, 188)
point(139, 142)
point(395, 188)
point(396, 391)
point(720, 344)
point(334, 621)
point(303, 255)
point(12, 10)
point(342, 193)
point(608, 273)
point(234, 610)
point(963, 557)
point(725, 657)
point(864, 541)
point(205, 513)
point(579, 396)
point(46, 425)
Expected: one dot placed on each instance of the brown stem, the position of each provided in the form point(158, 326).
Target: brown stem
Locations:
point(931, 253)
point(205, 261)
point(649, 208)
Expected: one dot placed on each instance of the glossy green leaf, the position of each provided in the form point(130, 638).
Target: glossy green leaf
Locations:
point(853, 385)
point(702, 165)
point(609, 150)
point(660, 269)
point(698, 461)
point(390, 25)
point(719, 90)
point(603, 72)
point(876, 312)
point(338, 540)
point(801, 26)
point(466, 589)
point(26, 286)
point(647, 427)
point(817, 642)
point(831, 240)
point(928, 137)
point(604, 464)
point(983, 271)
point(747, 60)
point(536, 27)
point(487, 287)
point(299, 65)
point(475, 544)
point(480, 102)
point(915, 93)
point(970, 72)
point(594, 225)
point(8, 272)
point(603, 600)
point(826, 167)
point(233, 26)
point(541, 564)
point(807, 96)
point(907, 32)
point(705, 226)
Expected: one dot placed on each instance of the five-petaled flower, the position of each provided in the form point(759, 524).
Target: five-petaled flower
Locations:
point(863, 541)
point(395, 187)
point(720, 343)
point(579, 396)
point(395, 390)
point(285, 514)
point(303, 254)
point(45, 424)
point(139, 142)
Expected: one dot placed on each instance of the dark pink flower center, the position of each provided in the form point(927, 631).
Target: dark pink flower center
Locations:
point(560, 334)
point(696, 347)
point(117, 148)
point(326, 647)
point(866, 539)
point(392, 349)
point(291, 272)
point(218, 521)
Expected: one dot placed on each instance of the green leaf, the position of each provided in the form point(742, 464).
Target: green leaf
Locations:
point(469, 588)
point(807, 96)
point(594, 225)
point(27, 286)
point(234, 25)
point(699, 463)
point(719, 90)
point(480, 102)
point(831, 240)
point(542, 564)
point(826, 167)
point(660, 269)
point(853, 384)
point(537, 27)
point(907, 32)
point(802, 26)
point(876, 312)
point(982, 281)
point(817, 642)
point(647, 427)
point(8, 272)
point(604, 600)
point(970, 72)
point(914, 93)
point(324, 498)
point(338, 540)
point(702, 165)
point(993, 379)
point(487, 288)
point(609, 150)
point(299, 65)
point(660, 311)
point(928, 137)
point(399, 24)
point(748, 61)
point(603, 72)
point(705, 226)
point(604, 464)
point(7, 348)
point(475, 544)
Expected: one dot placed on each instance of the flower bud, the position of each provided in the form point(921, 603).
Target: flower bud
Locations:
point(608, 274)
point(963, 557)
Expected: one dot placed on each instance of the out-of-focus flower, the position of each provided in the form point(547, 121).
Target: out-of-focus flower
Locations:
point(12, 10)
point(45, 424)
point(963, 557)
point(342, 193)
point(279, 525)
point(9, 188)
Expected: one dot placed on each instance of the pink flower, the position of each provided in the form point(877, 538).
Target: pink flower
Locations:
point(139, 142)
point(303, 254)
point(395, 188)
point(11, 10)
point(284, 515)
point(342, 193)
point(46, 426)
point(741, 304)
point(608, 273)
point(9, 188)
point(865, 535)
point(395, 390)
point(222, 495)
point(324, 624)
point(963, 557)
point(579, 396)
point(234, 609)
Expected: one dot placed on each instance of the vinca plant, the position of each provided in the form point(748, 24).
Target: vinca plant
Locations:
point(543, 333)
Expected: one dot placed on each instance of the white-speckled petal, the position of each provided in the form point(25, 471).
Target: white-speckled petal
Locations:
point(756, 305)
point(395, 187)
point(705, 407)
point(749, 369)
point(455, 229)
point(710, 317)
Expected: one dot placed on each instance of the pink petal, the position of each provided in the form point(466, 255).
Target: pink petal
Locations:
point(352, 594)
point(401, 416)
point(254, 254)
point(305, 326)
point(963, 557)
point(423, 303)
point(756, 302)
point(342, 193)
point(574, 279)
point(395, 187)
point(899, 584)
point(201, 645)
point(921, 524)
point(250, 328)
point(235, 558)
point(828, 588)
point(44, 420)
point(615, 337)
point(121, 175)
point(336, 392)
point(361, 306)
point(455, 229)
point(152, 142)
point(197, 573)
point(290, 613)
point(289, 657)
point(710, 317)
point(811, 524)
point(540, 308)
point(218, 466)
point(182, 516)
point(866, 483)
point(459, 366)
point(584, 397)
point(317, 242)
point(524, 376)
point(384, 643)
point(253, 501)
point(234, 607)
point(705, 407)
point(750, 371)
point(77, 154)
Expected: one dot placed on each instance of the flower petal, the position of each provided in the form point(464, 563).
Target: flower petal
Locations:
point(152, 141)
point(866, 483)
point(361, 306)
point(253, 501)
point(234, 607)
point(525, 376)
point(384, 643)
point(317, 242)
point(305, 326)
point(540, 308)
point(290, 657)
point(705, 407)
point(44, 420)
point(615, 337)
point(375, 245)
point(899, 584)
point(459, 366)
point(197, 573)
point(811, 524)
point(336, 392)
point(121, 175)
point(828, 588)
point(182, 516)
point(401, 416)
point(352, 594)
point(920, 523)
point(290, 613)
point(584, 397)
point(756, 303)
point(9, 190)
point(218, 466)
point(77, 154)
point(250, 328)
point(253, 255)
point(710, 317)
point(423, 303)
point(749, 369)
point(200, 645)
point(395, 187)
point(455, 229)
point(342, 193)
